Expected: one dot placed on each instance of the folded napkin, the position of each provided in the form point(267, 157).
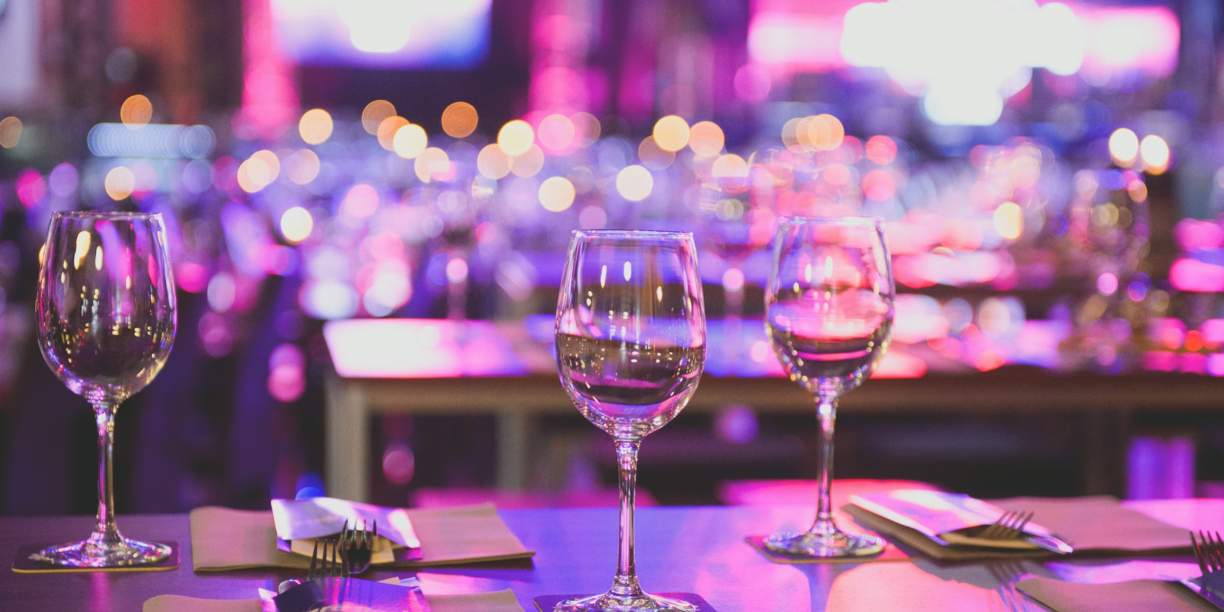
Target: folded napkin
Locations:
point(225, 539)
point(1130, 596)
point(497, 601)
point(1094, 525)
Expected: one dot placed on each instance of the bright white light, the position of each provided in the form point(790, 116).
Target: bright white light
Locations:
point(378, 26)
point(964, 56)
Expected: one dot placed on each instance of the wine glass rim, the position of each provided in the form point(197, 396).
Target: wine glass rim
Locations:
point(852, 220)
point(632, 234)
point(103, 214)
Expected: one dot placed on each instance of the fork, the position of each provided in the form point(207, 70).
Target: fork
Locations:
point(325, 565)
point(1209, 551)
point(1009, 526)
point(357, 546)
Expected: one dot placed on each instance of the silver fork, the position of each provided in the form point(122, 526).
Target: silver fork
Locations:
point(329, 564)
point(1209, 551)
point(1009, 526)
point(357, 546)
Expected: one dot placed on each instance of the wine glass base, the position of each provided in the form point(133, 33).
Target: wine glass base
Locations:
point(613, 603)
point(88, 553)
point(825, 545)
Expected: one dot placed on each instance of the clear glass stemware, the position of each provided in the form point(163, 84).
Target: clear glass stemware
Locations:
point(630, 350)
point(829, 313)
point(106, 322)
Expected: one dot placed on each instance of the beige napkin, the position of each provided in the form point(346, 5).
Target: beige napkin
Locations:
point(497, 601)
point(224, 539)
point(1089, 524)
point(905, 587)
point(1131, 596)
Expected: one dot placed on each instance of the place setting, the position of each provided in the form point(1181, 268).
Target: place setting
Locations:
point(598, 306)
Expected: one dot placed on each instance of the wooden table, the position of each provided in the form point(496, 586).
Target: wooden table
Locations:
point(406, 366)
point(680, 549)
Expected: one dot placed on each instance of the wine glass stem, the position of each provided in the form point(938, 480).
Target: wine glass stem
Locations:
point(826, 414)
point(106, 532)
point(626, 583)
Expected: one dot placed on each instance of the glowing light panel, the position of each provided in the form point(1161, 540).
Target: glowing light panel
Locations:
point(383, 33)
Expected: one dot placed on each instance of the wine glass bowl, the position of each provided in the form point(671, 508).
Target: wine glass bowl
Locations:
point(106, 322)
point(630, 339)
point(829, 312)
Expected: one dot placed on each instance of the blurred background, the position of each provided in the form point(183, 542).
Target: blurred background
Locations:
point(1052, 177)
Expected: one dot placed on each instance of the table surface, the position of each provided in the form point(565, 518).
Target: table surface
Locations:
point(680, 549)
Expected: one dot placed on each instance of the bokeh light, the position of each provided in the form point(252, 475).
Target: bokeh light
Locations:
point(316, 126)
point(460, 119)
point(10, 132)
point(296, 224)
point(516, 137)
point(270, 160)
point(1123, 146)
point(825, 132)
point(432, 164)
point(671, 133)
point(653, 156)
point(119, 183)
point(136, 112)
point(706, 139)
point(1009, 220)
point(729, 166)
point(387, 129)
point(375, 113)
point(529, 163)
point(410, 141)
point(1155, 153)
point(493, 162)
point(556, 132)
point(360, 202)
point(556, 194)
point(586, 128)
point(302, 166)
point(634, 183)
point(881, 150)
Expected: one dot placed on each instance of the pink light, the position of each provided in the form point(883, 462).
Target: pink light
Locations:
point(1192, 234)
point(760, 351)
point(456, 270)
point(1213, 331)
point(361, 201)
point(752, 83)
point(1139, 37)
point(1188, 274)
point(899, 364)
point(419, 348)
point(191, 277)
point(269, 98)
point(30, 187)
point(1107, 283)
point(807, 43)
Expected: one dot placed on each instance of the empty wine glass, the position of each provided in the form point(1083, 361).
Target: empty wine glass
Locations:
point(829, 313)
point(106, 320)
point(630, 349)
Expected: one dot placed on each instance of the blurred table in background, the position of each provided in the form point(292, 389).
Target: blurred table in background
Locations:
point(507, 369)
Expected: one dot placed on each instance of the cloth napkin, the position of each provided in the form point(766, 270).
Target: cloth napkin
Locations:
point(496, 601)
point(224, 539)
point(1130, 596)
point(1097, 525)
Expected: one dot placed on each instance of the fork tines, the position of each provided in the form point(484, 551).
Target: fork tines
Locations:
point(1009, 526)
point(328, 564)
point(1209, 551)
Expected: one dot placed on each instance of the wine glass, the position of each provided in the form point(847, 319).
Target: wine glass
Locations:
point(106, 320)
point(630, 350)
point(829, 314)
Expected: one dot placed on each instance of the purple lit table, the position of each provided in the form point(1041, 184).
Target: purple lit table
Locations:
point(694, 549)
point(506, 369)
